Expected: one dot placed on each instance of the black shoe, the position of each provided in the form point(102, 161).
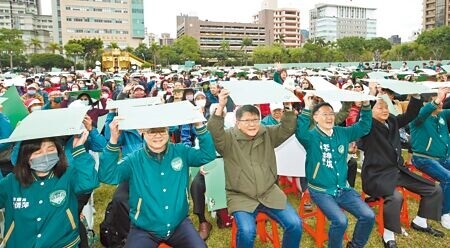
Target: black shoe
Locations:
point(389, 244)
point(371, 199)
point(350, 245)
point(429, 230)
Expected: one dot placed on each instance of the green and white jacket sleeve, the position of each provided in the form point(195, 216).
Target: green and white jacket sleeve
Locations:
point(85, 179)
point(111, 170)
point(206, 152)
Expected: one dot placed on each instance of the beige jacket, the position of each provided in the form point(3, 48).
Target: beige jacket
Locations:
point(250, 165)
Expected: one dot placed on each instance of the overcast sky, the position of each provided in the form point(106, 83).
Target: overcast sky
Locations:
point(402, 17)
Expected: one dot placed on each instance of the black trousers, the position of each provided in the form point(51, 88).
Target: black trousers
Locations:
point(198, 190)
point(352, 165)
point(430, 206)
point(83, 199)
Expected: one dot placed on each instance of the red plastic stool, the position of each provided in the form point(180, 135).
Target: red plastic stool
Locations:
point(318, 232)
point(163, 245)
point(289, 186)
point(261, 231)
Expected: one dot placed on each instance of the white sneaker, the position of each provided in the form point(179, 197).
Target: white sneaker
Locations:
point(445, 221)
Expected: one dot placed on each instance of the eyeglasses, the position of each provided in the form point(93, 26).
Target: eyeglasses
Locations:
point(155, 132)
point(357, 86)
point(248, 122)
point(326, 114)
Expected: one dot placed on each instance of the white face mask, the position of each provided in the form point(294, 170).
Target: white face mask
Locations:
point(85, 102)
point(200, 103)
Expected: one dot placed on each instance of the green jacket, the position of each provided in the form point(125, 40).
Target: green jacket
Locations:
point(158, 183)
point(326, 159)
point(269, 121)
point(250, 164)
point(429, 134)
point(277, 77)
point(44, 214)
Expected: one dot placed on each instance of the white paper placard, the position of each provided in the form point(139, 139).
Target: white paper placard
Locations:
point(3, 99)
point(320, 83)
point(435, 85)
point(404, 87)
point(258, 92)
point(163, 115)
point(49, 123)
point(291, 158)
point(134, 102)
point(343, 95)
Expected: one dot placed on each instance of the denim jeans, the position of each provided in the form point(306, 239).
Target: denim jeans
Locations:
point(287, 218)
point(439, 170)
point(351, 201)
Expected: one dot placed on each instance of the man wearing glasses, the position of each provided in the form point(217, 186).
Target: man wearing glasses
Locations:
point(251, 171)
point(158, 175)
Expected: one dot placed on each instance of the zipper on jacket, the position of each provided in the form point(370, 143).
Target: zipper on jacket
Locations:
point(316, 170)
point(429, 144)
point(138, 209)
point(72, 221)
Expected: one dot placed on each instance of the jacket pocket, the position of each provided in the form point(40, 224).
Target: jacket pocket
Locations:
point(429, 144)
point(316, 170)
point(138, 209)
point(71, 219)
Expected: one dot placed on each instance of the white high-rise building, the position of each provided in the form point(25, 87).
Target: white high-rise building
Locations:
point(332, 22)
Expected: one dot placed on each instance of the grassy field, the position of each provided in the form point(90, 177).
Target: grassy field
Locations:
point(220, 238)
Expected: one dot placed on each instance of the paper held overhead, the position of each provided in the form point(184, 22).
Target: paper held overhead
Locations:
point(163, 115)
point(319, 83)
point(49, 123)
point(378, 75)
point(137, 102)
point(16, 81)
point(3, 99)
point(404, 87)
point(435, 85)
point(258, 92)
point(342, 95)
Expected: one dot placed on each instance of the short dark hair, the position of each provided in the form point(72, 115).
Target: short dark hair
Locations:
point(246, 109)
point(22, 169)
point(319, 105)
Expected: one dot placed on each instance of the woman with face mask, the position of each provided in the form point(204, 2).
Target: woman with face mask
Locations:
point(96, 109)
point(42, 192)
point(33, 93)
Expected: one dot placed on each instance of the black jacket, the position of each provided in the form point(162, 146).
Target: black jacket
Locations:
point(383, 160)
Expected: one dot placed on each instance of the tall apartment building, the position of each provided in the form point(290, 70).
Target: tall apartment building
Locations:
point(166, 40)
point(119, 21)
point(436, 13)
point(212, 34)
point(283, 25)
point(332, 22)
point(24, 16)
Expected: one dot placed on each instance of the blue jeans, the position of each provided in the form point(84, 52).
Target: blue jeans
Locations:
point(439, 170)
point(351, 201)
point(185, 235)
point(287, 218)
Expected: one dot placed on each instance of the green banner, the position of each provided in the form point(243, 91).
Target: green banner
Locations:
point(14, 108)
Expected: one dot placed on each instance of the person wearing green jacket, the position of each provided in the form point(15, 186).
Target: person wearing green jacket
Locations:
point(251, 171)
point(326, 146)
point(430, 145)
point(40, 198)
point(158, 175)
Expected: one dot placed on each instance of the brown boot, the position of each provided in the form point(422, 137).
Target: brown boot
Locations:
point(204, 229)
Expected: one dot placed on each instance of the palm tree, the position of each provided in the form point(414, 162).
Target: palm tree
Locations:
point(53, 46)
point(280, 39)
point(154, 49)
point(246, 42)
point(113, 45)
point(35, 43)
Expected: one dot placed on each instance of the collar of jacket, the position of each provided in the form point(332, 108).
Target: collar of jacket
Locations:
point(156, 156)
point(241, 136)
point(322, 132)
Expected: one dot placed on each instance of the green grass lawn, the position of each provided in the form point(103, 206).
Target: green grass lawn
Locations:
point(221, 237)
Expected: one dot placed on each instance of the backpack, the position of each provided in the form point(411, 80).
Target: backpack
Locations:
point(112, 231)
